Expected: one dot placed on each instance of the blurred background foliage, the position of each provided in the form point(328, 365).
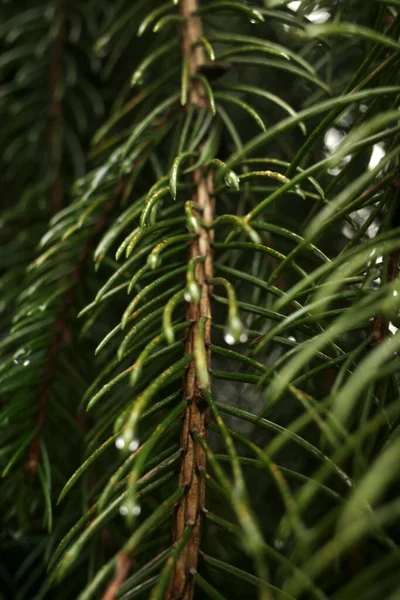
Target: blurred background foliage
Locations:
point(301, 136)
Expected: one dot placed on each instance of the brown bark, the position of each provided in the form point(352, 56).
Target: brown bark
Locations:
point(196, 417)
point(56, 190)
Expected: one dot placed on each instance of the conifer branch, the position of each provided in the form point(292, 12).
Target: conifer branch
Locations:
point(56, 191)
point(299, 469)
point(196, 415)
point(61, 333)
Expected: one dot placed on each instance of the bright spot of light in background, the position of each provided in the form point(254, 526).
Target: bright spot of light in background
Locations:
point(393, 328)
point(359, 217)
point(373, 229)
point(378, 152)
point(332, 139)
point(316, 16)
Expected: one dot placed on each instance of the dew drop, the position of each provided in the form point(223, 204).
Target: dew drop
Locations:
point(134, 445)
point(120, 442)
point(20, 356)
point(152, 261)
point(291, 338)
point(137, 78)
point(135, 510)
point(26, 363)
point(253, 21)
point(229, 339)
point(232, 180)
point(193, 224)
point(192, 293)
point(257, 16)
point(395, 293)
point(235, 331)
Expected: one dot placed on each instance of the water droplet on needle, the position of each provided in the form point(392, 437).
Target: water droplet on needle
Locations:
point(120, 442)
point(134, 445)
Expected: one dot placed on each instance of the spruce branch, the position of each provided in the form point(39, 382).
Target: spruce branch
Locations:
point(61, 333)
point(273, 474)
point(196, 416)
point(56, 191)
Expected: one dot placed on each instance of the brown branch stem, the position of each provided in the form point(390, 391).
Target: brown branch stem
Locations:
point(121, 573)
point(196, 416)
point(56, 191)
point(61, 334)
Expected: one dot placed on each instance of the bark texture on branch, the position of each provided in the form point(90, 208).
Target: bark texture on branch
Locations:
point(196, 417)
point(56, 55)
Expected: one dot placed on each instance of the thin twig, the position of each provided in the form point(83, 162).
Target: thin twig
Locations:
point(121, 571)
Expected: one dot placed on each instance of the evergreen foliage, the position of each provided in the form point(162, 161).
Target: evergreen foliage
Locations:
point(199, 392)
